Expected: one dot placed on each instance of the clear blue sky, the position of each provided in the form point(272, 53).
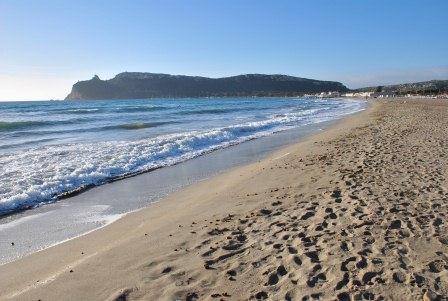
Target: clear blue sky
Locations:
point(46, 46)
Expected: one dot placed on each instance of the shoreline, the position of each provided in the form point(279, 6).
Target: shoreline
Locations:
point(276, 228)
point(271, 156)
point(43, 197)
point(133, 193)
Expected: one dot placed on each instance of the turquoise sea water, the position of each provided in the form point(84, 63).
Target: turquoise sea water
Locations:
point(49, 148)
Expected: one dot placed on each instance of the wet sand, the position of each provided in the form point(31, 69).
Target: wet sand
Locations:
point(358, 212)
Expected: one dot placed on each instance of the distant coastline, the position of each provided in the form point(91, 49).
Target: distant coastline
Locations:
point(141, 85)
point(135, 85)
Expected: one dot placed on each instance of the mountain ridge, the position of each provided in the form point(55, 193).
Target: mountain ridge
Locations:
point(423, 87)
point(134, 85)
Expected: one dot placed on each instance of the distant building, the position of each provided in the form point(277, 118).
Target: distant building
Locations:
point(331, 94)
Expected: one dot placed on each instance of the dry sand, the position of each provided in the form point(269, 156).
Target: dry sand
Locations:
point(358, 212)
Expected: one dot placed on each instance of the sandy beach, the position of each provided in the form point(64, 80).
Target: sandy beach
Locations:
point(356, 212)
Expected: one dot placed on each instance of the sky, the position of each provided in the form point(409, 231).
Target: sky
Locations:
point(48, 45)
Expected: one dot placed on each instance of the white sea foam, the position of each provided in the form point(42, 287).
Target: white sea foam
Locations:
point(35, 176)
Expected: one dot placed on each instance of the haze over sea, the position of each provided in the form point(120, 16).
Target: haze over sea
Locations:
point(49, 148)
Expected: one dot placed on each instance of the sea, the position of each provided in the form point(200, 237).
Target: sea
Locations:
point(52, 149)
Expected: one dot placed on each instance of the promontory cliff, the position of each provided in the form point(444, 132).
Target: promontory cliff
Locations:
point(135, 85)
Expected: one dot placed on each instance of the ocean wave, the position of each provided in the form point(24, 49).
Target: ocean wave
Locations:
point(17, 126)
point(13, 125)
point(124, 109)
point(40, 175)
point(214, 111)
point(79, 111)
point(209, 111)
point(124, 126)
point(26, 143)
point(139, 109)
point(137, 125)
